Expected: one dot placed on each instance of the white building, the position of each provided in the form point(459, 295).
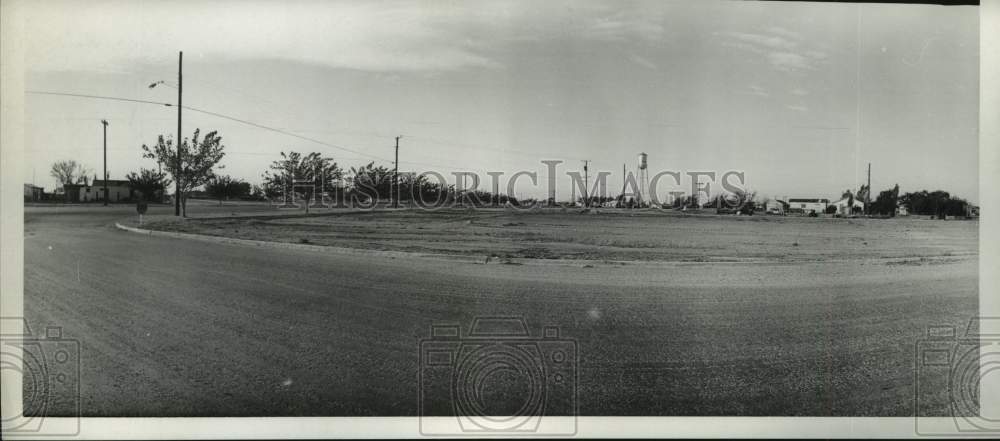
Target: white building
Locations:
point(842, 207)
point(775, 206)
point(118, 190)
point(806, 205)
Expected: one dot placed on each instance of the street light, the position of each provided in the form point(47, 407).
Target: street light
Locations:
point(177, 175)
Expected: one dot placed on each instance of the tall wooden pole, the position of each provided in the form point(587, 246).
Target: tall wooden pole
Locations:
point(105, 123)
point(177, 176)
point(869, 192)
point(395, 177)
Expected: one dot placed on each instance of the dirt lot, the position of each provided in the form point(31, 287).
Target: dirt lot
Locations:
point(611, 235)
point(828, 327)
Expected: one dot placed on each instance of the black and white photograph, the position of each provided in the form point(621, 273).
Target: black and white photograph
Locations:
point(496, 218)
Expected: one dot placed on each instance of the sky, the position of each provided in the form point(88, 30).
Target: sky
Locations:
point(800, 97)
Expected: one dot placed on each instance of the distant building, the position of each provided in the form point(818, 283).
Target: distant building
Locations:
point(118, 191)
point(776, 206)
point(806, 205)
point(33, 193)
point(901, 210)
point(72, 192)
point(845, 209)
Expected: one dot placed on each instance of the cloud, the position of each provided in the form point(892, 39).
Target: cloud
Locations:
point(370, 36)
point(642, 62)
point(797, 108)
point(783, 32)
point(799, 91)
point(781, 48)
point(766, 41)
point(789, 62)
point(759, 91)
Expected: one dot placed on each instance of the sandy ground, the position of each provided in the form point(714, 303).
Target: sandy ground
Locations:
point(175, 327)
point(614, 235)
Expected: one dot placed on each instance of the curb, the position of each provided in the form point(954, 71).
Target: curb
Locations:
point(493, 260)
point(307, 247)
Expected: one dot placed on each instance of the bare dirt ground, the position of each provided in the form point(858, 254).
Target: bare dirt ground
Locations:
point(611, 235)
point(680, 315)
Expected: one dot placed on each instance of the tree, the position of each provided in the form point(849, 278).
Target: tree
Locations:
point(936, 203)
point(227, 187)
point(862, 195)
point(850, 201)
point(886, 202)
point(371, 181)
point(257, 193)
point(150, 184)
point(301, 175)
point(198, 161)
point(69, 172)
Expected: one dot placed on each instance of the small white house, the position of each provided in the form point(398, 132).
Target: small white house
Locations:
point(843, 206)
point(118, 190)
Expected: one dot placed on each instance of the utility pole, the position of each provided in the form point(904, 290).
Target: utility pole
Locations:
point(395, 177)
point(869, 192)
point(177, 176)
point(104, 122)
point(586, 184)
point(624, 179)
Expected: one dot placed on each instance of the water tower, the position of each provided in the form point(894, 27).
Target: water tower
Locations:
point(643, 177)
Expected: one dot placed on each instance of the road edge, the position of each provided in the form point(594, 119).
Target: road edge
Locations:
point(308, 247)
point(494, 260)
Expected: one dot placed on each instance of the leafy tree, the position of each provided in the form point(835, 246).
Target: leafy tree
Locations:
point(422, 190)
point(301, 175)
point(199, 158)
point(257, 193)
point(742, 201)
point(936, 203)
point(850, 198)
point(886, 202)
point(227, 187)
point(149, 184)
point(69, 172)
point(862, 194)
point(371, 182)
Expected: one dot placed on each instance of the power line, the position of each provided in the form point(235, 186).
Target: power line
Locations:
point(264, 127)
point(283, 132)
point(208, 112)
point(112, 98)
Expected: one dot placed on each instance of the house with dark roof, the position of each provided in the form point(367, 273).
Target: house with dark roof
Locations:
point(33, 193)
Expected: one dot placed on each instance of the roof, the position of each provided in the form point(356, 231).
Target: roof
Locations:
point(814, 201)
point(856, 201)
point(100, 182)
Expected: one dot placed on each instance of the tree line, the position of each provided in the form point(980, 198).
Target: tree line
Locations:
point(312, 176)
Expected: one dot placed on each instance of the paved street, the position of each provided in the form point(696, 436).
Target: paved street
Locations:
point(173, 327)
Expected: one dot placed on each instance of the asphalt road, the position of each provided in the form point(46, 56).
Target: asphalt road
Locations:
point(172, 327)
